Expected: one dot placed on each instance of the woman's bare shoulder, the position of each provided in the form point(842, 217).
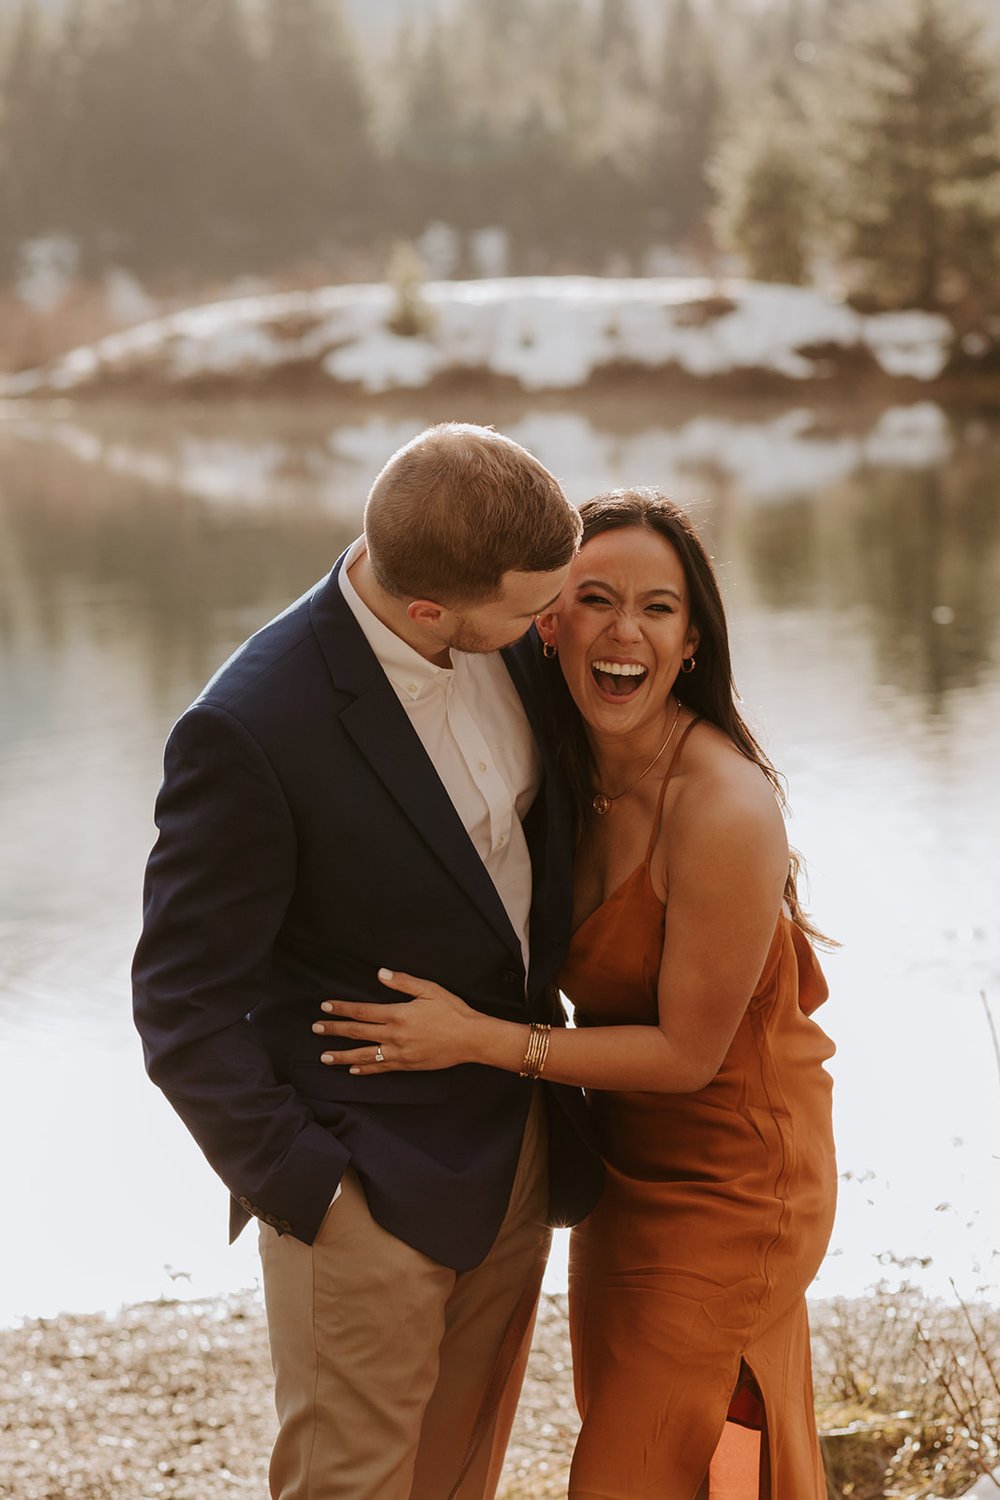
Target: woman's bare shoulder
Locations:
point(721, 793)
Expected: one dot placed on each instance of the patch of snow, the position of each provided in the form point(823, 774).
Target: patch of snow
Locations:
point(77, 368)
point(385, 360)
point(910, 343)
point(546, 333)
point(240, 346)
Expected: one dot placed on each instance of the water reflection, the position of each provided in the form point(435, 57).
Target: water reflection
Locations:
point(191, 535)
point(861, 559)
point(929, 574)
point(92, 549)
point(913, 554)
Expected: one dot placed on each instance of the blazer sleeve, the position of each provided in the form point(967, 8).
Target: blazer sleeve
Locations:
point(218, 883)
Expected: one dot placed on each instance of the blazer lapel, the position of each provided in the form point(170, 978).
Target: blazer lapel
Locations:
point(550, 842)
point(378, 724)
point(522, 665)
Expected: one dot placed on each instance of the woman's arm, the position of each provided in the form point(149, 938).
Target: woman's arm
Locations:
point(727, 866)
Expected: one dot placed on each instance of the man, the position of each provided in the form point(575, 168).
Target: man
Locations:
point(358, 787)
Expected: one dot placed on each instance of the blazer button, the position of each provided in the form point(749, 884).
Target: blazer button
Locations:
point(511, 976)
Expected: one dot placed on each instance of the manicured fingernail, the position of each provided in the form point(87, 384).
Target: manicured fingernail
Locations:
point(384, 975)
point(327, 1057)
point(354, 1070)
point(327, 1006)
point(319, 1026)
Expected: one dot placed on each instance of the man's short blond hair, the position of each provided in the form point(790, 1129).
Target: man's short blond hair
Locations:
point(457, 508)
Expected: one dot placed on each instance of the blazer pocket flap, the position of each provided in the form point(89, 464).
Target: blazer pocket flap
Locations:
point(336, 1085)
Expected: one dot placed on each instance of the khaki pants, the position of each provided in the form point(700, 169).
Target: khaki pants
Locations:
point(389, 1366)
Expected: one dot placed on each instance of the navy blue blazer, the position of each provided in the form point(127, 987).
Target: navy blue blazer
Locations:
point(305, 840)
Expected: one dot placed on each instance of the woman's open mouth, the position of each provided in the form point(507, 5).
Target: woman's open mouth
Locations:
point(618, 679)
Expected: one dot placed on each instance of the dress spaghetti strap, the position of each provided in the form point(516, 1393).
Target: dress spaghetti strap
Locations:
point(671, 764)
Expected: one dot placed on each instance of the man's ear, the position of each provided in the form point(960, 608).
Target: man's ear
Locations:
point(426, 613)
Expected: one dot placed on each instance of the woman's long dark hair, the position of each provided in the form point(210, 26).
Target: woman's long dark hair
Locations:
point(708, 691)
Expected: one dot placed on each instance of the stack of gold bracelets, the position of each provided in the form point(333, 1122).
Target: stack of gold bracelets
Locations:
point(537, 1051)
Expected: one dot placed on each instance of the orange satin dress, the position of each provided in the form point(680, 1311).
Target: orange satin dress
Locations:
point(716, 1213)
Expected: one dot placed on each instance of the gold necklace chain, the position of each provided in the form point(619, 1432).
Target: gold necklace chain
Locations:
point(602, 803)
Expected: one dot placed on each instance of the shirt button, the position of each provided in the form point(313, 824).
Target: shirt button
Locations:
point(482, 765)
point(501, 841)
point(411, 687)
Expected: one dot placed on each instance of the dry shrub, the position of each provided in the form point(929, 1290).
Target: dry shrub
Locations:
point(908, 1385)
point(410, 316)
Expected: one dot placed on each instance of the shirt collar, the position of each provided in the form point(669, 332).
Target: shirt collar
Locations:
point(411, 674)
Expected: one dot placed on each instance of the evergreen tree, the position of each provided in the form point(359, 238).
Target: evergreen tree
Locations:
point(687, 122)
point(566, 42)
point(229, 131)
point(70, 116)
point(622, 106)
point(432, 152)
point(568, 154)
point(324, 165)
point(162, 135)
point(593, 194)
point(763, 175)
point(501, 68)
point(512, 79)
point(26, 206)
point(135, 154)
point(910, 135)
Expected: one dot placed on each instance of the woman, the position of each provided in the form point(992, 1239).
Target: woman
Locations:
point(692, 978)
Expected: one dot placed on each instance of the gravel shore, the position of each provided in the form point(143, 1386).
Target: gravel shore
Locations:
point(173, 1400)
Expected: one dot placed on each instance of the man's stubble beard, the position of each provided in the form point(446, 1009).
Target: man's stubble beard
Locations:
point(472, 641)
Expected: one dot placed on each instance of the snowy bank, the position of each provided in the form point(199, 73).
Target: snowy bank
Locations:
point(540, 334)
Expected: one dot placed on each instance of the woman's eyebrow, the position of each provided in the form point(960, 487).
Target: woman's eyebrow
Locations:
point(597, 583)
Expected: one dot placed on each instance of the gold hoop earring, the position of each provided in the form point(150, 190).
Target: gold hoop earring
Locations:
point(549, 651)
point(687, 664)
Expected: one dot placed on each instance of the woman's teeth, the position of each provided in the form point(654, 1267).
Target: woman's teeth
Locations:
point(618, 677)
point(620, 668)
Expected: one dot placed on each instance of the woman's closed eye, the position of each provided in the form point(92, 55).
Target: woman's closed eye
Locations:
point(598, 601)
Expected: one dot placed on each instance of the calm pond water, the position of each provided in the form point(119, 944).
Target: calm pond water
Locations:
point(861, 561)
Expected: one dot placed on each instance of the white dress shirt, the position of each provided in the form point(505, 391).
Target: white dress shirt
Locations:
point(470, 720)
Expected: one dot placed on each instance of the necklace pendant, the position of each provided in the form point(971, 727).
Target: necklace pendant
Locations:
point(601, 804)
